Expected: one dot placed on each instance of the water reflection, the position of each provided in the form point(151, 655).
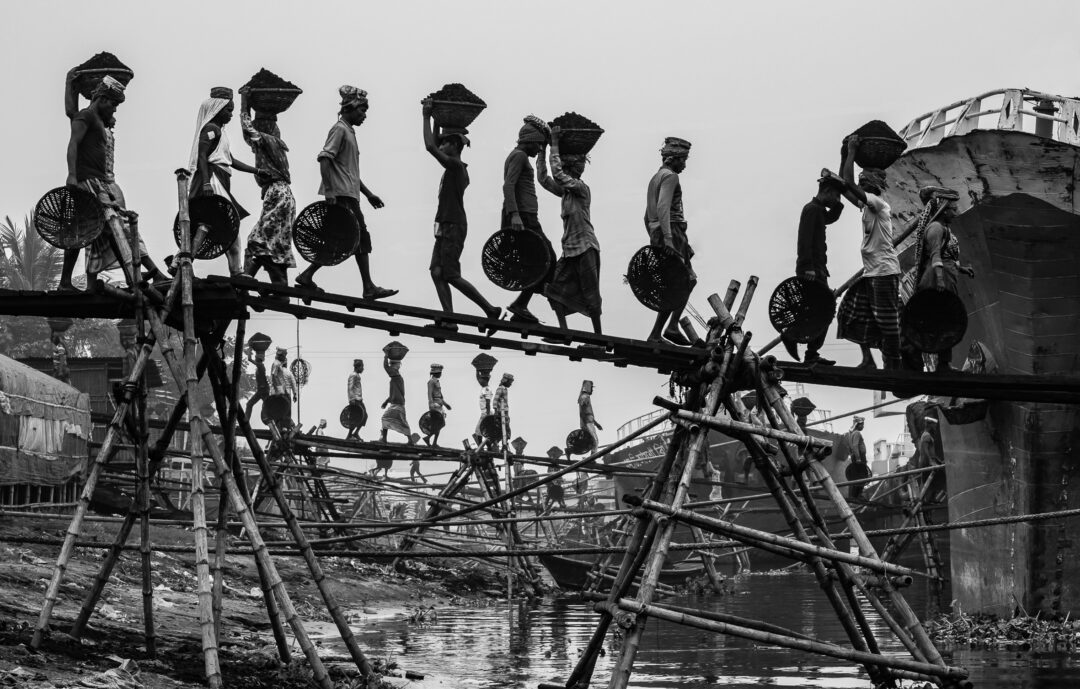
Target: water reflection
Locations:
point(476, 647)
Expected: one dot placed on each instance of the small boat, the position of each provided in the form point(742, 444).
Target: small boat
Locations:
point(572, 573)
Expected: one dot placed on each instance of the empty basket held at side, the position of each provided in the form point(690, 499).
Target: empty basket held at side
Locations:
point(800, 309)
point(219, 216)
point(578, 442)
point(491, 428)
point(69, 217)
point(934, 320)
point(659, 279)
point(516, 259)
point(326, 234)
point(353, 416)
point(431, 422)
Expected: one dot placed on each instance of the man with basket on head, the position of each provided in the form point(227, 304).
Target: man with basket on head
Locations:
point(394, 419)
point(483, 363)
point(283, 385)
point(501, 405)
point(575, 283)
point(339, 167)
point(211, 160)
point(90, 165)
point(451, 223)
point(437, 405)
point(811, 263)
point(520, 207)
point(269, 245)
point(355, 391)
point(870, 314)
point(665, 222)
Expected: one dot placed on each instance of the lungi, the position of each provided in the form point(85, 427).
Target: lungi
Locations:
point(575, 286)
point(393, 419)
point(869, 314)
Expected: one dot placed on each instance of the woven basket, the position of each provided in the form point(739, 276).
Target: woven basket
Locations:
point(491, 428)
point(879, 152)
point(301, 371)
point(578, 141)
point(88, 79)
point(395, 351)
point(857, 471)
point(220, 216)
point(259, 342)
point(431, 422)
point(516, 259)
point(276, 408)
point(658, 278)
point(353, 416)
point(451, 114)
point(326, 234)
point(270, 101)
point(578, 442)
point(801, 309)
point(802, 406)
point(934, 320)
point(69, 217)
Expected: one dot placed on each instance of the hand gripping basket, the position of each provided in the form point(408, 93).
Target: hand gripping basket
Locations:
point(658, 278)
point(431, 422)
point(353, 416)
point(578, 442)
point(218, 214)
point(326, 234)
point(516, 259)
point(800, 309)
point(934, 320)
point(69, 217)
point(491, 428)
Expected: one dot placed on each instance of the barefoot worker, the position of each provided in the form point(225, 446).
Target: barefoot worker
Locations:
point(451, 223)
point(589, 424)
point(211, 160)
point(519, 211)
point(269, 245)
point(339, 167)
point(575, 286)
point(812, 260)
point(90, 167)
point(393, 419)
point(666, 224)
point(355, 390)
point(870, 315)
point(436, 403)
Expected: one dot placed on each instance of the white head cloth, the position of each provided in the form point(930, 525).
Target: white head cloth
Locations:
point(208, 111)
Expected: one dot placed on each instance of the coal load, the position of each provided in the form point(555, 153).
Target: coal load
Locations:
point(91, 72)
point(454, 107)
point(878, 130)
point(579, 133)
point(269, 94)
point(456, 93)
point(265, 79)
point(879, 145)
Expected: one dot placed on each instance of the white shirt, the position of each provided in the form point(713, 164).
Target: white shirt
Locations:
point(878, 254)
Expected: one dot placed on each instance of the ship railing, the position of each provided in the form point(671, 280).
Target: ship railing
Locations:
point(636, 423)
point(1043, 114)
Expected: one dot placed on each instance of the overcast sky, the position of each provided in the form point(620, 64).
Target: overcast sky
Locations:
point(765, 92)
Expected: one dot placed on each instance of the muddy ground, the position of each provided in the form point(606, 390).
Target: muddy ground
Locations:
point(249, 657)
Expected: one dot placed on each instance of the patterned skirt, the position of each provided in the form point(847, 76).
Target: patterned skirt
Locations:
point(102, 254)
point(271, 238)
point(575, 287)
point(393, 419)
point(869, 314)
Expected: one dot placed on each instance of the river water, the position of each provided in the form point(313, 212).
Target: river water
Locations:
point(479, 647)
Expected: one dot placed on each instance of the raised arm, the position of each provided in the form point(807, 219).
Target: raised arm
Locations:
point(542, 176)
point(431, 142)
point(851, 191)
point(568, 183)
point(71, 95)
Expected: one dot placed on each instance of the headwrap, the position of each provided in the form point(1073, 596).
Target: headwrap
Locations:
point(930, 419)
point(109, 88)
point(221, 92)
point(507, 378)
point(357, 361)
point(874, 177)
point(831, 178)
point(587, 386)
point(858, 419)
point(207, 112)
point(281, 350)
point(352, 97)
point(436, 368)
point(675, 147)
point(935, 198)
point(459, 132)
point(535, 130)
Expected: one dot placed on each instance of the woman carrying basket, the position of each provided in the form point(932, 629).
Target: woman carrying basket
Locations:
point(937, 252)
point(575, 286)
point(269, 245)
point(211, 159)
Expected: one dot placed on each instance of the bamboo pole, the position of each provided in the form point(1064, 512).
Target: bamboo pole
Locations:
point(818, 647)
point(908, 619)
point(728, 425)
point(318, 576)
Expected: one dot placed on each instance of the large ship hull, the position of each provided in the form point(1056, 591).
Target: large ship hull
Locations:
point(1020, 231)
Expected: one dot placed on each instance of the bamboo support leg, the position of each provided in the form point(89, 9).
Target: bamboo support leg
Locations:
point(142, 467)
point(83, 505)
point(104, 572)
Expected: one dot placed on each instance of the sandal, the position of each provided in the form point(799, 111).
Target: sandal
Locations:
point(379, 293)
